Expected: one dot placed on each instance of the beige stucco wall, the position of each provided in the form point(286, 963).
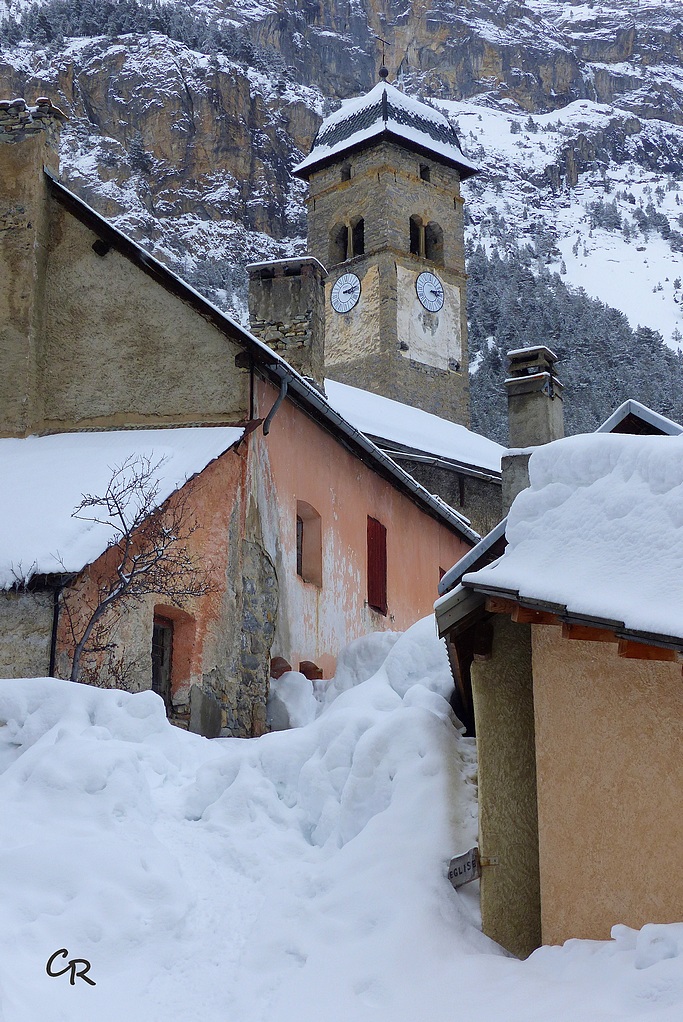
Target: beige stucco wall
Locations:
point(90, 340)
point(25, 634)
point(504, 714)
point(609, 734)
point(118, 349)
point(353, 334)
point(23, 249)
point(430, 337)
point(299, 461)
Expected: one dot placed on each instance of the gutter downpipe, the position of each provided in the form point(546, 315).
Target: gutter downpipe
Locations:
point(284, 387)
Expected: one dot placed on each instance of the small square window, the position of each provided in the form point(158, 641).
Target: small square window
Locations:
point(425, 172)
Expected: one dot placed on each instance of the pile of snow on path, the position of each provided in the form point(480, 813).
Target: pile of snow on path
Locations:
point(299, 876)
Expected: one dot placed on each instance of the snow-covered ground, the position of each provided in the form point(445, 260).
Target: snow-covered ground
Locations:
point(296, 877)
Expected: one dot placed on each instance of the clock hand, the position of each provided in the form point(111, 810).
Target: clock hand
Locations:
point(350, 290)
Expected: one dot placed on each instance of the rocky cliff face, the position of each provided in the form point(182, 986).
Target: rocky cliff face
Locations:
point(186, 137)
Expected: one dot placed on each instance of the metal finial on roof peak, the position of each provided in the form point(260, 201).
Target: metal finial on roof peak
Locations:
point(384, 73)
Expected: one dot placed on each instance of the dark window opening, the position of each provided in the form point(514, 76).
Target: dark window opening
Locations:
point(434, 243)
point(299, 546)
point(279, 666)
point(100, 247)
point(347, 240)
point(377, 565)
point(309, 551)
point(162, 658)
point(416, 236)
point(358, 237)
point(346, 172)
point(425, 172)
point(339, 244)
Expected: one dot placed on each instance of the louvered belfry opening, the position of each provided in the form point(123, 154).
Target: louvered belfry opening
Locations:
point(377, 565)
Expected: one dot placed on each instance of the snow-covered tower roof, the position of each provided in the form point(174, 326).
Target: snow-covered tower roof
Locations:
point(386, 113)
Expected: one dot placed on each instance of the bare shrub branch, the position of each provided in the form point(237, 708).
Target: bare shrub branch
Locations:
point(151, 555)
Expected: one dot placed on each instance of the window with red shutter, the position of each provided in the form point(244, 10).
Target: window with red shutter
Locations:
point(377, 565)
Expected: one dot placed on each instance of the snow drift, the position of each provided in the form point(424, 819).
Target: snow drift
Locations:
point(301, 875)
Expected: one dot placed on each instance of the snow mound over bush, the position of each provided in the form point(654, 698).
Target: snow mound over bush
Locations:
point(299, 876)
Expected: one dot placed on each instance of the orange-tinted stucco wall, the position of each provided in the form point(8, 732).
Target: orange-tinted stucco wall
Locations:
point(207, 627)
point(609, 733)
point(299, 461)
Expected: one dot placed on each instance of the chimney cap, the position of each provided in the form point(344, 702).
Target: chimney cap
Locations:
point(528, 361)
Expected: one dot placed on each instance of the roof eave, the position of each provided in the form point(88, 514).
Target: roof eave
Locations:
point(383, 135)
point(568, 616)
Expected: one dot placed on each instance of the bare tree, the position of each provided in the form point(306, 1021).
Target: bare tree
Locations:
point(147, 554)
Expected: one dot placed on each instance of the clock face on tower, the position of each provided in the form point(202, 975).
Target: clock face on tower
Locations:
point(430, 291)
point(345, 292)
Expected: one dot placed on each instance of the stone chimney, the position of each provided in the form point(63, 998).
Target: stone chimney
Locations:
point(29, 141)
point(287, 312)
point(535, 414)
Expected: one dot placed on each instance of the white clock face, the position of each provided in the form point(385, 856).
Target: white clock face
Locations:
point(345, 292)
point(430, 291)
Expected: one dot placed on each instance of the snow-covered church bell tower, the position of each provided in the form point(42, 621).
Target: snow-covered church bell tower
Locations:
point(385, 217)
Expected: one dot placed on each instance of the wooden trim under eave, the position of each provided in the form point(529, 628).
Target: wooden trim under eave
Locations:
point(628, 648)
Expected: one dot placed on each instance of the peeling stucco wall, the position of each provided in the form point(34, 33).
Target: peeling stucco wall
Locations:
point(209, 651)
point(300, 461)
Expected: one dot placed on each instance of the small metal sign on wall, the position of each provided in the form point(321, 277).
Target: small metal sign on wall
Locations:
point(465, 867)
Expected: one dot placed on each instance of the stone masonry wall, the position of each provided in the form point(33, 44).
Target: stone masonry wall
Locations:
point(287, 312)
point(28, 141)
point(25, 633)
point(385, 189)
point(477, 499)
point(259, 615)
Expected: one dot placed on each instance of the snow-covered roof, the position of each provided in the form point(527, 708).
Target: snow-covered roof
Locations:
point(44, 479)
point(599, 532)
point(630, 413)
point(421, 431)
point(385, 111)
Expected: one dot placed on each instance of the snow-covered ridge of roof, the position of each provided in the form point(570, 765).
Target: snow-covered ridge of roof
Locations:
point(660, 423)
point(599, 531)
point(412, 427)
point(385, 110)
point(44, 479)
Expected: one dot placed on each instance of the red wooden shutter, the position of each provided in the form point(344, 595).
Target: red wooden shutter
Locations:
point(377, 565)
